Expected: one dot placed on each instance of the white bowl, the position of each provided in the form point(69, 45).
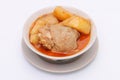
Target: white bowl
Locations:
point(40, 12)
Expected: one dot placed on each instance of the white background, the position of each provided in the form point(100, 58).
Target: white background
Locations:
point(105, 14)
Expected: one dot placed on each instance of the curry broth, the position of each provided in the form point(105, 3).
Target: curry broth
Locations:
point(81, 42)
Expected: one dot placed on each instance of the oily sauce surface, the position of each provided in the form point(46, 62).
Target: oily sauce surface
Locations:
point(82, 43)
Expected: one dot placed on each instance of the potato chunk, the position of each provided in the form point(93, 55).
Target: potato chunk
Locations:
point(49, 19)
point(34, 38)
point(61, 13)
point(38, 24)
point(79, 23)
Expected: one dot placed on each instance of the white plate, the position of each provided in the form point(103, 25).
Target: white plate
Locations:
point(81, 62)
point(33, 17)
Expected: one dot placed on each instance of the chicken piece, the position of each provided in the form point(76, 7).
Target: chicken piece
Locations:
point(49, 19)
point(58, 38)
point(45, 37)
point(64, 38)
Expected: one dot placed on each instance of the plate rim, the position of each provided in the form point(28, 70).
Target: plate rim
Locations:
point(66, 71)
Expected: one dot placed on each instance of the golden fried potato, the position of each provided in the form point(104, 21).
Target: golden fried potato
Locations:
point(34, 38)
point(49, 19)
point(79, 23)
point(38, 24)
point(61, 13)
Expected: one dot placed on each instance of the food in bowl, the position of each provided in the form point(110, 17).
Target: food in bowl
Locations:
point(60, 33)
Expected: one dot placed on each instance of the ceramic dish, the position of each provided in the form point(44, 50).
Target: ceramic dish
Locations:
point(66, 59)
point(81, 62)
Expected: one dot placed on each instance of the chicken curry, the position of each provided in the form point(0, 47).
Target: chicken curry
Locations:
point(60, 33)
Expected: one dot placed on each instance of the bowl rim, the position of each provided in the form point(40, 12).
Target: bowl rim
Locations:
point(89, 45)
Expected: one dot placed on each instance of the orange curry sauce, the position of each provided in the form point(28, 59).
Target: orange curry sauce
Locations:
point(81, 42)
